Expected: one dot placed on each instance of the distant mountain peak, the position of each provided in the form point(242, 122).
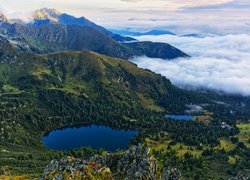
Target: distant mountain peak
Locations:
point(47, 14)
point(159, 32)
point(193, 35)
point(3, 18)
point(154, 32)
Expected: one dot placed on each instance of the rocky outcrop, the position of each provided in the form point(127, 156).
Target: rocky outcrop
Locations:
point(47, 14)
point(73, 168)
point(136, 163)
point(241, 176)
point(171, 173)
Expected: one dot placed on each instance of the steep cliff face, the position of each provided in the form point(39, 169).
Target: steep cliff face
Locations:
point(137, 163)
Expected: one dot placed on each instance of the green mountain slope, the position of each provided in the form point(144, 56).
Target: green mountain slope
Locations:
point(72, 87)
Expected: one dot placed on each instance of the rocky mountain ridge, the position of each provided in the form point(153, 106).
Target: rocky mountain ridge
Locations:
point(51, 31)
point(46, 16)
point(56, 37)
point(135, 163)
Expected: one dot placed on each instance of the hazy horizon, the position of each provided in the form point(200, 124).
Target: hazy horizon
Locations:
point(206, 17)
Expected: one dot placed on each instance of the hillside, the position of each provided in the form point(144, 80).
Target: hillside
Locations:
point(39, 93)
point(92, 76)
point(43, 92)
point(57, 89)
point(162, 50)
point(7, 51)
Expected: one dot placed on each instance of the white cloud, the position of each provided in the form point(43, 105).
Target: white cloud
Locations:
point(218, 63)
point(216, 16)
point(24, 16)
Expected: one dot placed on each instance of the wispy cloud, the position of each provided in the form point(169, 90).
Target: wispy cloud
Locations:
point(218, 16)
point(218, 63)
point(236, 4)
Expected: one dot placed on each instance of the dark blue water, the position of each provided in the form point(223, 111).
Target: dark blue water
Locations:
point(180, 117)
point(93, 136)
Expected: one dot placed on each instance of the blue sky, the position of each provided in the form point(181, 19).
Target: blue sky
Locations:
point(181, 16)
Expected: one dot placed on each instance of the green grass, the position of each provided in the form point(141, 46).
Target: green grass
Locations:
point(233, 159)
point(8, 89)
point(179, 148)
point(225, 144)
point(27, 162)
point(244, 134)
point(125, 64)
point(150, 103)
point(23, 177)
point(39, 73)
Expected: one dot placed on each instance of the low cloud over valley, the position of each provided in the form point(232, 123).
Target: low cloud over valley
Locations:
point(218, 62)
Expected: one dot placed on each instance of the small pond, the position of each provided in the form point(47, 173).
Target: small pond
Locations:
point(83, 136)
point(180, 117)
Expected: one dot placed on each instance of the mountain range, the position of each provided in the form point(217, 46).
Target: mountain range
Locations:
point(154, 32)
point(51, 31)
point(193, 35)
point(47, 16)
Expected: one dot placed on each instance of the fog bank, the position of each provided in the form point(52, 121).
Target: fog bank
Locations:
point(218, 63)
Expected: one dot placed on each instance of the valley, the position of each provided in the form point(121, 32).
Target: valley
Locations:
point(61, 71)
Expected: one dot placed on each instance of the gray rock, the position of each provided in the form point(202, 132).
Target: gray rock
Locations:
point(135, 163)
